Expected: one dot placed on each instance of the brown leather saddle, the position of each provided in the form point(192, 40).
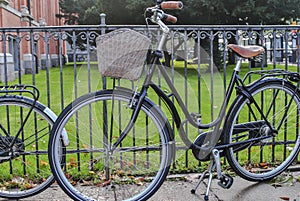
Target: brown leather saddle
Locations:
point(248, 51)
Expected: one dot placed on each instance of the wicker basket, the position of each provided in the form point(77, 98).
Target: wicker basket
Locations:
point(122, 53)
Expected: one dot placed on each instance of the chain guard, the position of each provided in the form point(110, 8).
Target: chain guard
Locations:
point(199, 142)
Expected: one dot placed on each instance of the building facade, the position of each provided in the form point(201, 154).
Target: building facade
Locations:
point(29, 13)
point(16, 13)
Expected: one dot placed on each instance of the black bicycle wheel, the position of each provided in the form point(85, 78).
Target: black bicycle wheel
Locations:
point(262, 160)
point(25, 169)
point(93, 171)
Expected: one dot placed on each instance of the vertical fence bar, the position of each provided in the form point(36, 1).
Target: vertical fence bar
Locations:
point(88, 35)
point(172, 36)
point(224, 34)
point(298, 70)
point(275, 49)
point(74, 48)
point(211, 42)
point(59, 42)
point(199, 79)
point(186, 99)
point(33, 59)
point(103, 30)
point(34, 66)
point(47, 63)
point(18, 56)
point(105, 112)
point(198, 69)
point(5, 57)
point(285, 48)
point(4, 70)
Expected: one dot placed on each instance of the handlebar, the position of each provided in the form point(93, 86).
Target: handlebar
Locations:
point(156, 13)
point(171, 5)
point(169, 18)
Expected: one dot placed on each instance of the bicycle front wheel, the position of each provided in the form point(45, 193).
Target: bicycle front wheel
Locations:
point(24, 135)
point(279, 102)
point(94, 170)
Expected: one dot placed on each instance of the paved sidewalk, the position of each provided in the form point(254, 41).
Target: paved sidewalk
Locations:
point(179, 190)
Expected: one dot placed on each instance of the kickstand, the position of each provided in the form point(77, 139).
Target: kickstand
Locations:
point(225, 181)
point(210, 177)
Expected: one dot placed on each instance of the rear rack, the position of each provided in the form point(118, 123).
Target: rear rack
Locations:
point(292, 76)
point(20, 89)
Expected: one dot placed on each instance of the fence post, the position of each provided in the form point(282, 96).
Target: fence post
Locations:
point(103, 16)
point(102, 25)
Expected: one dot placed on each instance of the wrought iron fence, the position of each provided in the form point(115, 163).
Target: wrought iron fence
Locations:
point(61, 61)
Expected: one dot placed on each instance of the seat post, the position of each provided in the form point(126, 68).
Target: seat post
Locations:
point(238, 64)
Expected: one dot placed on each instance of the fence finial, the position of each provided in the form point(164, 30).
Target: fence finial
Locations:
point(103, 16)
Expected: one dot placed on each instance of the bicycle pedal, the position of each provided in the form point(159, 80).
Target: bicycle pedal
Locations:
point(226, 181)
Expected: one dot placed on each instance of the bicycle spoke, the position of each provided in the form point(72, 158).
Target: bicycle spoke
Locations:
point(286, 109)
point(133, 168)
point(262, 154)
point(27, 124)
point(272, 103)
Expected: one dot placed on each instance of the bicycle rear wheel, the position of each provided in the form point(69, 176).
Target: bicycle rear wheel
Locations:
point(25, 171)
point(262, 160)
point(93, 171)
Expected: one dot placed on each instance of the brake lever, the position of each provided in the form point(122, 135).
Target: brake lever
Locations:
point(154, 14)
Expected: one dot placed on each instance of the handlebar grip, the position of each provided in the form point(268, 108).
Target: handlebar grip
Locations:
point(170, 18)
point(171, 5)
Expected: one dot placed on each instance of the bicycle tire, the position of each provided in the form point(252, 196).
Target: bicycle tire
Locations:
point(28, 173)
point(261, 161)
point(134, 171)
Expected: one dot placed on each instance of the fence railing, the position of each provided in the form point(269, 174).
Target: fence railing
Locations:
point(61, 61)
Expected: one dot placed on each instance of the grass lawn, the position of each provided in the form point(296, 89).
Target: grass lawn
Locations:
point(64, 86)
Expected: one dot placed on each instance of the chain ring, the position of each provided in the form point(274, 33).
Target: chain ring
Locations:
point(6, 152)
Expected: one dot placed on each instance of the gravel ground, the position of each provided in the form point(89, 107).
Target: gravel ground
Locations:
point(179, 189)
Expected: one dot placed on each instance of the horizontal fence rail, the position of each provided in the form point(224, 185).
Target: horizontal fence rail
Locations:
point(62, 63)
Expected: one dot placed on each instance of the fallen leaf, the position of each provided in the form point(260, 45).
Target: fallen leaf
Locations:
point(284, 198)
point(28, 162)
point(44, 163)
point(104, 184)
point(263, 164)
point(28, 186)
point(140, 181)
point(131, 177)
point(120, 172)
point(68, 175)
point(86, 183)
point(73, 162)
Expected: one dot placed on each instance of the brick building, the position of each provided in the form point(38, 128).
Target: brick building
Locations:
point(29, 13)
point(16, 13)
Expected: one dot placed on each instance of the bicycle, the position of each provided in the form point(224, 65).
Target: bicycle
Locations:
point(122, 144)
point(24, 134)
